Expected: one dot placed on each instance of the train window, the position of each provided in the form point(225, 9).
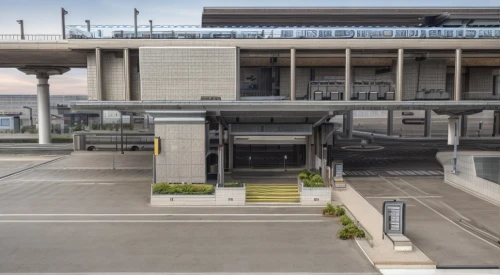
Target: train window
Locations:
point(4, 122)
point(287, 34)
point(325, 34)
point(401, 33)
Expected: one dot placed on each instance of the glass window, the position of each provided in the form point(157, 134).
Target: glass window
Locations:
point(5, 122)
point(496, 84)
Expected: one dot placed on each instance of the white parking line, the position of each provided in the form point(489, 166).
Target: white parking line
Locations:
point(161, 221)
point(160, 215)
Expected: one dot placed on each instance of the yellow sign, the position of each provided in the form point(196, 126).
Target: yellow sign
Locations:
point(157, 146)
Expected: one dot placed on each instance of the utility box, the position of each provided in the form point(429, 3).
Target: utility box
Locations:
point(394, 226)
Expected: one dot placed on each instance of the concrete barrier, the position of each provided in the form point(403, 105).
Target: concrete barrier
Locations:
point(182, 200)
point(314, 195)
point(230, 195)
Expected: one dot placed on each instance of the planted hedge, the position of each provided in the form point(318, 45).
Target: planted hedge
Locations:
point(233, 184)
point(182, 189)
point(311, 179)
point(350, 230)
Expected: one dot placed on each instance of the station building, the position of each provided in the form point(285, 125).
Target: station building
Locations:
point(265, 85)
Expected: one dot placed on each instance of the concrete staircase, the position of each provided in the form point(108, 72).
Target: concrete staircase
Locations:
point(272, 193)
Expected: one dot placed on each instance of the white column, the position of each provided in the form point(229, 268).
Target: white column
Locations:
point(347, 91)
point(399, 76)
point(126, 73)
point(390, 122)
point(427, 123)
point(43, 99)
point(98, 70)
point(452, 130)
point(237, 77)
point(221, 134)
point(220, 164)
point(350, 120)
point(292, 74)
point(458, 74)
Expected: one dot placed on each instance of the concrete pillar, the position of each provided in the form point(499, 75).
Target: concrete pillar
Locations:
point(390, 122)
point(399, 76)
point(324, 153)
point(496, 124)
point(238, 71)
point(292, 74)
point(230, 151)
point(350, 120)
point(463, 126)
point(220, 164)
point(221, 134)
point(451, 130)
point(344, 124)
point(308, 152)
point(43, 98)
point(458, 74)
point(126, 73)
point(98, 70)
point(427, 123)
point(347, 92)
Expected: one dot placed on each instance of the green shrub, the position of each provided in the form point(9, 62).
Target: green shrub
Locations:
point(233, 184)
point(340, 211)
point(310, 183)
point(305, 174)
point(329, 209)
point(317, 178)
point(344, 234)
point(345, 220)
point(360, 233)
point(182, 189)
point(311, 179)
point(351, 231)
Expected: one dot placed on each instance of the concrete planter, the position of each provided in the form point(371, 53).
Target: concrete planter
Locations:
point(314, 195)
point(232, 196)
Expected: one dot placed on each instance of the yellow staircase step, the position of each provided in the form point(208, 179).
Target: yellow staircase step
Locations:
point(272, 193)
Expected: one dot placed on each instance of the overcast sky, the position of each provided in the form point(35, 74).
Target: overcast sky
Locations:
point(43, 17)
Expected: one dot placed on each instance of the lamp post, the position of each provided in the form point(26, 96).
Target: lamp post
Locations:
point(31, 115)
point(88, 25)
point(21, 22)
point(136, 12)
point(63, 24)
point(150, 29)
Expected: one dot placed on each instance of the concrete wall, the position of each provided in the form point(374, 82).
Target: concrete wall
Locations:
point(113, 78)
point(231, 196)
point(302, 78)
point(466, 177)
point(171, 73)
point(91, 76)
point(182, 157)
point(135, 77)
point(432, 76)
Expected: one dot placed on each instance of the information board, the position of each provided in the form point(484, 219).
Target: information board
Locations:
point(394, 216)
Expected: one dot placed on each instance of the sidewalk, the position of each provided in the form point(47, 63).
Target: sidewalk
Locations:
point(382, 254)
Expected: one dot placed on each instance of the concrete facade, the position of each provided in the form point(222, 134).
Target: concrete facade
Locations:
point(172, 73)
point(182, 157)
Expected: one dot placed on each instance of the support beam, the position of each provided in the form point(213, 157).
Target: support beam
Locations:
point(463, 125)
point(98, 70)
point(399, 75)
point(390, 122)
point(458, 74)
point(43, 98)
point(350, 120)
point(452, 124)
point(427, 123)
point(126, 73)
point(292, 74)
point(308, 152)
point(230, 151)
point(347, 92)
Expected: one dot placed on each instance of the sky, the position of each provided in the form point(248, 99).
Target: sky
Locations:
point(43, 17)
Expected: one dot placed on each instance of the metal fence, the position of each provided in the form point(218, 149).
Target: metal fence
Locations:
point(31, 37)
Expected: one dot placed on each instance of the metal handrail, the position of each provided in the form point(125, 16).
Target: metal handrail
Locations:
point(31, 37)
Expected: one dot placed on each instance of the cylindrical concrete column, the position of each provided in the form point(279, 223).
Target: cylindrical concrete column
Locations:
point(390, 122)
point(292, 74)
point(347, 90)
point(43, 99)
point(98, 70)
point(427, 123)
point(221, 134)
point(458, 74)
point(399, 75)
point(126, 73)
point(452, 127)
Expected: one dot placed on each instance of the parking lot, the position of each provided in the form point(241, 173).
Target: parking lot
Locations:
point(79, 214)
point(450, 226)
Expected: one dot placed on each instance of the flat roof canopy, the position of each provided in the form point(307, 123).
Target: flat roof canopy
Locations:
point(345, 16)
point(288, 108)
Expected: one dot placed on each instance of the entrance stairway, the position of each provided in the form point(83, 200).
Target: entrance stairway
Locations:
point(272, 193)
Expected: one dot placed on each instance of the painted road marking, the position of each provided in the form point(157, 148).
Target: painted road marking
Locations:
point(157, 215)
point(161, 221)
